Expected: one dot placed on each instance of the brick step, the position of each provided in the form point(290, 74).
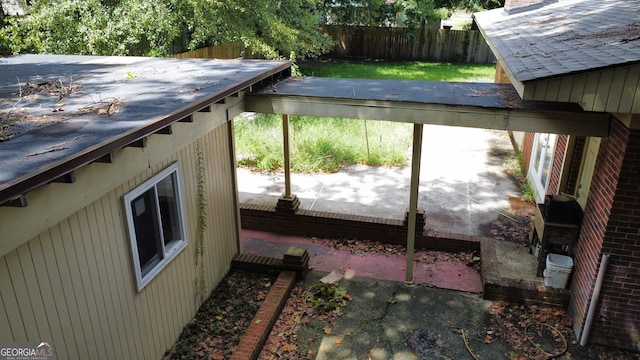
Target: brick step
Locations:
point(294, 259)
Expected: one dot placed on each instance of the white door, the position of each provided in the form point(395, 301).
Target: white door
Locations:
point(540, 167)
point(586, 171)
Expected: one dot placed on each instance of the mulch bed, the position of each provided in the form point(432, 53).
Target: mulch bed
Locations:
point(223, 319)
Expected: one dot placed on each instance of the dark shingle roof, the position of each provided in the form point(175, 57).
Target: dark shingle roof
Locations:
point(564, 37)
point(60, 112)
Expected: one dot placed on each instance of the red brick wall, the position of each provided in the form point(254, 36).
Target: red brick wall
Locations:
point(556, 167)
point(527, 147)
point(612, 224)
point(344, 226)
point(574, 167)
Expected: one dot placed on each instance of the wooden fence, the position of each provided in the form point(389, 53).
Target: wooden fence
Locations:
point(228, 51)
point(464, 46)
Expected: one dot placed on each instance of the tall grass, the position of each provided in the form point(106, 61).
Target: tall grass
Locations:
point(328, 144)
point(320, 144)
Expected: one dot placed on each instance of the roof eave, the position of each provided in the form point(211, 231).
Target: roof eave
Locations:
point(20, 187)
point(518, 85)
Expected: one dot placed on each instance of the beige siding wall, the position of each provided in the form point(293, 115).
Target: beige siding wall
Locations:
point(612, 90)
point(73, 284)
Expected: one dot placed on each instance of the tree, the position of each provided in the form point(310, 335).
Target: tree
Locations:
point(272, 28)
point(360, 12)
point(413, 13)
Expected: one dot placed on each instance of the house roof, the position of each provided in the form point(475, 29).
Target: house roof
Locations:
point(564, 37)
point(58, 113)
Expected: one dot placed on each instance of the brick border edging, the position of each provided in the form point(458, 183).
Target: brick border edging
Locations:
point(256, 335)
point(311, 223)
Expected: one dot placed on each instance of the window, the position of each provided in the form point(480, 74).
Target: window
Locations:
point(156, 223)
point(540, 167)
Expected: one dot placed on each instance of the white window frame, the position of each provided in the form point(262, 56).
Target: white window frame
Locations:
point(536, 172)
point(170, 250)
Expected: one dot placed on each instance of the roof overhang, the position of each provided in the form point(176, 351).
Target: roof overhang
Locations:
point(478, 105)
point(111, 102)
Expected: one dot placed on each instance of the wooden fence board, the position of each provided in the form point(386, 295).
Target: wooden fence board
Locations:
point(460, 46)
point(466, 46)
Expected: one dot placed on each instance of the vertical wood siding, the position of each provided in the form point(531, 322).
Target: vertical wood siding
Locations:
point(614, 90)
point(74, 285)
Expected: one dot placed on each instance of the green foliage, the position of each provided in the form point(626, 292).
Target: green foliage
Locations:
point(327, 297)
point(272, 28)
point(201, 175)
point(360, 12)
point(92, 27)
point(410, 13)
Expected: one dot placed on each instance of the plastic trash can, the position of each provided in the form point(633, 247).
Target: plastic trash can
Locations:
point(556, 274)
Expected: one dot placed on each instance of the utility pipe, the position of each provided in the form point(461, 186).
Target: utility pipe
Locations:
point(594, 299)
point(287, 159)
point(413, 199)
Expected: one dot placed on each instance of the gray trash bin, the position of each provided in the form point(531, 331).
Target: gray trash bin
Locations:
point(558, 269)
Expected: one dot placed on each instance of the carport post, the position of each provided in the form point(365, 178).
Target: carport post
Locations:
point(413, 199)
point(288, 202)
point(287, 161)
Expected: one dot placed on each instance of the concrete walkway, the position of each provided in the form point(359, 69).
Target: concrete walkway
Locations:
point(462, 185)
point(389, 320)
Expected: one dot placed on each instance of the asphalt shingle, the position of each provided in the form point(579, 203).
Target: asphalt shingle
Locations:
point(565, 36)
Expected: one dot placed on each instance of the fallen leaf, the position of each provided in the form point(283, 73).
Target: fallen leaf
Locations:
point(258, 321)
point(338, 341)
point(288, 347)
point(327, 330)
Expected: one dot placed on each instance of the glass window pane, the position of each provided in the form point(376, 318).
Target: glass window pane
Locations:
point(169, 209)
point(145, 221)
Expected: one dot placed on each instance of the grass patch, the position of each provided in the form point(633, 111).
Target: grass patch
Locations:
point(320, 144)
point(329, 144)
point(401, 71)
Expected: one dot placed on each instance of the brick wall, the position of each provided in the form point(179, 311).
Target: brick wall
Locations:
point(612, 224)
point(574, 166)
point(527, 147)
point(556, 167)
point(344, 226)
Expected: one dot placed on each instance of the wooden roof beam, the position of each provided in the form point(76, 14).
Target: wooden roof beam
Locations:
point(543, 121)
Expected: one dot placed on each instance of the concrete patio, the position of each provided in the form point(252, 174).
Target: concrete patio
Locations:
point(463, 189)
